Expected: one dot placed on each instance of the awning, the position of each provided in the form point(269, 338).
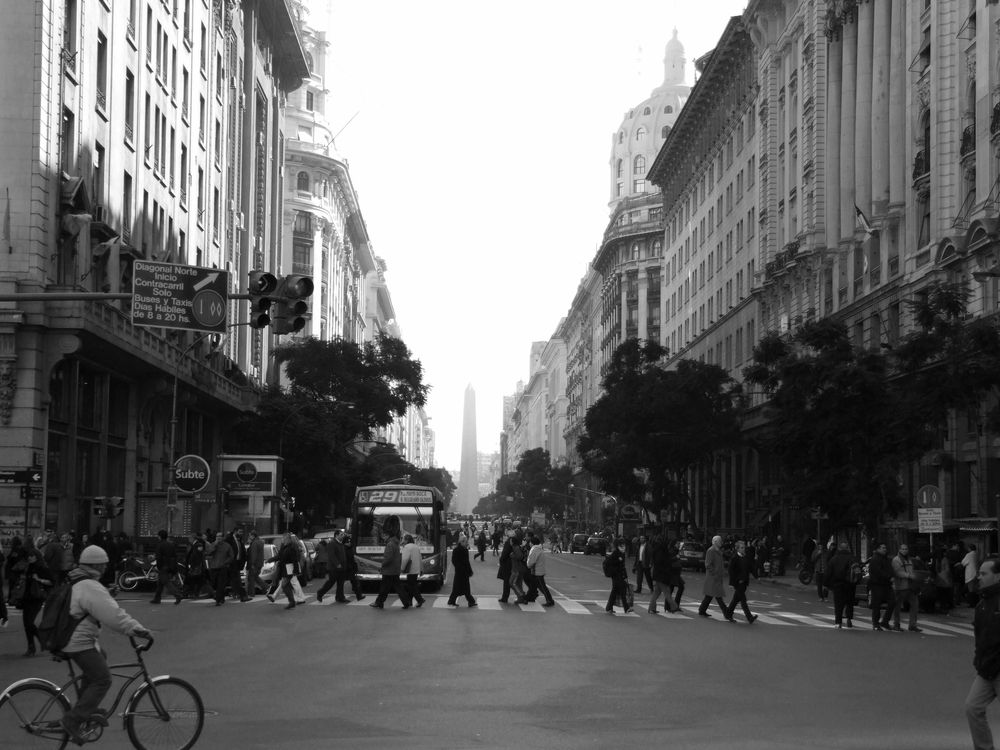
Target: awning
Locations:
point(73, 193)
point(977, 526)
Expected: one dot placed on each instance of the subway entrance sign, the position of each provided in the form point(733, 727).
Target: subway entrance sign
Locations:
point(168, 295)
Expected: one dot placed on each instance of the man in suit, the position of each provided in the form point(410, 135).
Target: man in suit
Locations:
point(739, 579)
point(237, 563)
point(643, 565)
point(166, 566)
point(715, 571)
point(255, 563)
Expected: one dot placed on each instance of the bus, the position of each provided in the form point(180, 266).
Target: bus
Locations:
point(420, 511)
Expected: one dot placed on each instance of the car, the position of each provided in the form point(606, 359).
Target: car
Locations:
point(691, 555)
point(267, 573)
point(578, 543)
point(596, 545)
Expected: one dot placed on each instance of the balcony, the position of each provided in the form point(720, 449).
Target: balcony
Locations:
point(968, 141)
point(921, 172)
point(995, 120)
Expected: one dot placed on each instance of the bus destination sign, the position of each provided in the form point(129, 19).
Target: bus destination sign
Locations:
point(396, 496)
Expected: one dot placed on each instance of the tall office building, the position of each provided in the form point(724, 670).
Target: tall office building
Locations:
point(468, 482)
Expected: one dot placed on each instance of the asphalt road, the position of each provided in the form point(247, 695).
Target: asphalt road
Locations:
point(349, 676)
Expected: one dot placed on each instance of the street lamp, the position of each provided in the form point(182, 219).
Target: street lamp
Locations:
point(604, 495)
point(986, 273)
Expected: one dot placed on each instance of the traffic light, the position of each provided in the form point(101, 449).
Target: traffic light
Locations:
point(262, 289)
point(291, 307)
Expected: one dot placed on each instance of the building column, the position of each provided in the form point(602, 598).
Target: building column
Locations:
point(863, 108)
point(832, 165)
point(880, 92)
point(847, 140)
point(643, 284)
point(898, 128)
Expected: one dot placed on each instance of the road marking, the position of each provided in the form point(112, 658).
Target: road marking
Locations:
point(531, 607)
point(804, 619)
point(768, 619)
point(967, 630)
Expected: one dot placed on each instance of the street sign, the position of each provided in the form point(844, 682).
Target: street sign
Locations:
point(930, 521)
point(20, 476)
point(8, 476)
point(191, 473)
point(929, 496)
point(168, 295)
point(31, 492)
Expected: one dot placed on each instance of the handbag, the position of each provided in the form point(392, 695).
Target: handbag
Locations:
point(17, 595)
point(629, 596)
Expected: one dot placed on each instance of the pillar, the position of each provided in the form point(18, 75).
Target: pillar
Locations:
point(880, 92)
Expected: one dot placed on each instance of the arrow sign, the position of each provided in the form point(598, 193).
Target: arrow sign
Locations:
point(207, 281)
point(170, 295)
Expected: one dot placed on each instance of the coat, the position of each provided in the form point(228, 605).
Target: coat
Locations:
point(986, 623)
point(536, 560)
point(94, 606)
point(740, 570)
point(392, 560)
point(460, 562)
point(504, 571)
point(715, 573)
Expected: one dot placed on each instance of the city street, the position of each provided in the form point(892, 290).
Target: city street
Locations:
point(336, 675)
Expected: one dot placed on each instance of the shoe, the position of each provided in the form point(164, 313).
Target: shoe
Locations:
point(72, 728)
point(610, 611)
point(521, 601)
point(339, 601)
point(100, 716)
point(3, 622)
point(850, 624)
point(914, 629)
point(154, 601)
point(218, 603)
point(290, 606)
point(628, 611)
point(752, 619)
point(652, 611)
point(244, 599)
point(896, 629)
point(420, 603)
point(29, 652)
point(548, 604)
point(730, 618)
point(177, 600)
point(270, 598)
point(474, 604)
point(319, 598)
point(452, 604)
point(878, 628)
point(838, 626)
point(886, 625)
point(407, 606)
point(359, 597)
point(502, 601)
point(376, 605)
point(704, 614)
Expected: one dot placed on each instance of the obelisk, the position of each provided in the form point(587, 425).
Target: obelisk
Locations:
point(468, 482)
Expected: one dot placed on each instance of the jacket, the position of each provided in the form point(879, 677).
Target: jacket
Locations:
point(412, 559)
point(986, 624)
point(166, 556)
point(839, 570)
point(902, 570)
point(880, 570)
point(536, 560)
point(220, 554)
point(460, 561)
point(255, 554)
point(517, 556)
point(739, 571)
point(95, 605)
point(239, 558)
point(288, 555)
point(392, 561)
point(504, 570)
point(616, 565)
point(715, 570)
point(337, 556)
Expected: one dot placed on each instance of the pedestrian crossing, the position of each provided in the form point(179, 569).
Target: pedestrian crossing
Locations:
point(564, 605)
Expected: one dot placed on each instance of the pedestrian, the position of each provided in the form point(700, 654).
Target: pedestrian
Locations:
point(461, 584)
point(196, 580)
point(740, 570)
point(518, 567)
point(675, 582)
point(220, 555)
point(643, 565)
point(821, 562)
point(57, 555)
point(943, 582)
point(504, 569)
point(839, 580)
point(352, 568)
point(166, 568)
point(321, 560)
point(287, 569)
point(17, 563)
point(659, 554)
point(35, 582)
point(906, 585)
point(392, 563)
point(536, 567)
point(336, 568)
point(255, 564)
point(237, 563)
point(970, 569)
point(880, 578)
point(715, 570)
point(615, 568)
point(986, 660)
point(94, 607)
point(481, 544)
point(3, 600)
point(413, 562)
point(497, 540)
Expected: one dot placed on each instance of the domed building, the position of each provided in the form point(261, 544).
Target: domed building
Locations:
point(638, 139)
point(630, 258)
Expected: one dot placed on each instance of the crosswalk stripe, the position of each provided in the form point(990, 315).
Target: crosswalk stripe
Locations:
point(768, 619)
point(805, 619)
point(950, 628)
point(531, 607)
point(572, 607)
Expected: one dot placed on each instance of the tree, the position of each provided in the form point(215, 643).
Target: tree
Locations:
point(337, 394)
point(652, 426)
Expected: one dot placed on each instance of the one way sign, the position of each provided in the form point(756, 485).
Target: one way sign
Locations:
point(28, 476)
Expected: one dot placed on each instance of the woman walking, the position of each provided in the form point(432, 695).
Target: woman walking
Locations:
point(288, 568)
point(461, 584)
point(518, 567)
point(37, 582)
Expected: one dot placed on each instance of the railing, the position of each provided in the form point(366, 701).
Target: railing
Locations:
point(921, 165)
point(129, 134)
point(102, 100)
point(968, 140)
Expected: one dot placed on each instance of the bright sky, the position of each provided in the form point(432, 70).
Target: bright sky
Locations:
point(480, 154)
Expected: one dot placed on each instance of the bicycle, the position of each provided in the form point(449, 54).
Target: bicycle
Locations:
point(162, 712)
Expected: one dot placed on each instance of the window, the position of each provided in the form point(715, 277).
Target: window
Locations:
point(203, 52)
point(639, 166)
point(640, 134)
point(201, 120)
point(302, 182)
point(126, 206)
point(129, 105)
point(618, 169)
point(69, 35)
point(668, 110)
point(303, 222)
point(97, 188)
point(310, 104)
point(102, 71)
point(638, 186)
point(621, 136)
point(68, 141)
point(219, 75)
point(664, 131)
point(647, 111)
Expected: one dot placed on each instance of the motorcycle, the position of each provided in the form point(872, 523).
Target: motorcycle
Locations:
point(806, 573)
point(137, 570)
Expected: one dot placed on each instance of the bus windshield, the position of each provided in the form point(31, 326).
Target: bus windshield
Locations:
point(415, 521)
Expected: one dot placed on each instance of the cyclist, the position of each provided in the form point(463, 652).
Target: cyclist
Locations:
point(93, 606)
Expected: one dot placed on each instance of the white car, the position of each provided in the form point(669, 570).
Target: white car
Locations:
point(267, 573)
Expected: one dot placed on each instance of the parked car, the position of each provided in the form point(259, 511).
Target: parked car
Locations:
point(692, 555)
point(267, 573)
point(596, 545)
point(578, 543)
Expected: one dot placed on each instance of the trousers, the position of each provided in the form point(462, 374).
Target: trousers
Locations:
point(95, 681)
point(981, 695)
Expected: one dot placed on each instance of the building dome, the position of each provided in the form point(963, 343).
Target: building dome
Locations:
point(641, 134)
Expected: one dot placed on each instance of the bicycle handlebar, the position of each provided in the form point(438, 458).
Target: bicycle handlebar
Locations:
point(140, 647)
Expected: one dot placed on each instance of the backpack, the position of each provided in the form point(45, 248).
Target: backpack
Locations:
point(55, 624)
point(855, 574)
point(608, 567)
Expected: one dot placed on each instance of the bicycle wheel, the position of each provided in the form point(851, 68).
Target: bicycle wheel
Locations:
point(30, 714)
point(128, 580)
point(180, 724)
